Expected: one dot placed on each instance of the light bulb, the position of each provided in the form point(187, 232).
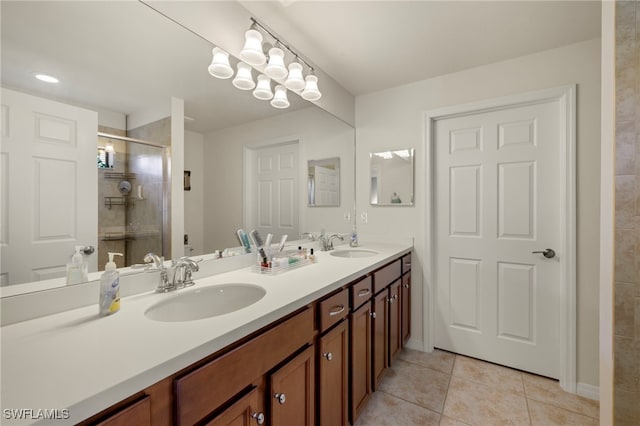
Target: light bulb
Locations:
point(280, 98)
point(295, 81)
point(311, 92)
point(220, 66)
point(244, 78)
point(275, 68)
point(263, 89)
point(252, 52)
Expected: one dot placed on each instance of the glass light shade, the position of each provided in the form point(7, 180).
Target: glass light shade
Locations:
point(275, 68)
point(295, 81)
point(280, 98)
point(252, 52)
point(220, 66)
point(244, 78)
point(263, 89)
point(311, 92)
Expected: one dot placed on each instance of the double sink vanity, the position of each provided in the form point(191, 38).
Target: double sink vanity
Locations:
point(303, 347)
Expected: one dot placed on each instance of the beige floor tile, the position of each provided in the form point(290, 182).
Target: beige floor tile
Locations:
point(477, 404)
point(387, 410)
point(548, 415)
point(417, 384)
point(492, 375)
point(548, 391)
point(448, 421)
point(436, 360)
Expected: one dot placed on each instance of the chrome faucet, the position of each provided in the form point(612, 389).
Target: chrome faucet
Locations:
point(158, 263)
point(338, 236)
point(182, 271)
point(309, 236)
point(326, 243)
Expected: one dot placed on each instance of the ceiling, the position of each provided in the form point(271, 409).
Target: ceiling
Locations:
point(124, 57)
point(369, 46)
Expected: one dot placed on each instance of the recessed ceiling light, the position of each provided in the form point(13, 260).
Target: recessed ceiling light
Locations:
point(47, 78)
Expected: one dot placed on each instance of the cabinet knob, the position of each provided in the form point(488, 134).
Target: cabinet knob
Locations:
point(328, 356)
point(406, 285)
point(259, 418)
point(373, 315)
point(282, 398)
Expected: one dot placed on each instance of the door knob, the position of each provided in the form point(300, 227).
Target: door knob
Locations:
point(548, 253)
point(88, 250)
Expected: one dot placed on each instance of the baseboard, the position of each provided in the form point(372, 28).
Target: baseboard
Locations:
point(415, 344)
point(588, 391)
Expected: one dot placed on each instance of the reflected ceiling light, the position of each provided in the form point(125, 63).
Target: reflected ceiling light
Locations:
point(275, 68)
point(280, 98)
point(252, 52)
point(47, 78)
point(263, 89)
point(244, 77)
point(311, 92)
point(295, 81)
point(220, 66)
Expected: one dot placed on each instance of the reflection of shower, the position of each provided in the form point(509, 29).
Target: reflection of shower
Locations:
point(133, 200)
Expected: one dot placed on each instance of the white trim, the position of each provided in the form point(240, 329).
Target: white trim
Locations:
point(415, 344)
point(588, 391)
point(566, 95)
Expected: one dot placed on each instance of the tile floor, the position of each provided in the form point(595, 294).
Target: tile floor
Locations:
point(442, 388)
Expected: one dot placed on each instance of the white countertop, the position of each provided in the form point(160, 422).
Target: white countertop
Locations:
point(78, 361)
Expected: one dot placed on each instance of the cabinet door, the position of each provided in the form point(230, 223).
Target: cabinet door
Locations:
point(333, 362)
point(292, 391)
point(360, 359)
point(380, 336)
point(395, 321)
point(243, 413)
point(405, 297)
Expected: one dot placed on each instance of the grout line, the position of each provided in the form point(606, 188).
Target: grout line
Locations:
point(409, 402)
point(526, 399)
point(446, 393)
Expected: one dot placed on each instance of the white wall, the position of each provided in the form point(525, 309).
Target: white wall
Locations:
point(193, 200)
point(393, 119)
point(321, 135)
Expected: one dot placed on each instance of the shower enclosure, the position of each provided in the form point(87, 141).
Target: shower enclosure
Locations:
point(133, 199)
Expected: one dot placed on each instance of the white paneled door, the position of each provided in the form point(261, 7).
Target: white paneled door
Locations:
point(49, 186)
point(275, 205)
point(497, 194)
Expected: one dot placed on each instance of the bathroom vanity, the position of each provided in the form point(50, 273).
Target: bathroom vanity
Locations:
point(309, 352)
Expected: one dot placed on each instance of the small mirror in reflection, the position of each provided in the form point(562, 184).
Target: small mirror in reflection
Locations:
point(392, 177)
point(323, 182)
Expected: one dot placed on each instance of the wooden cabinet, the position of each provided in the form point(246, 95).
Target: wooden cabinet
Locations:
point(395, 320)
point(380, 333)
point(405, 297)
point(291, 391)
point(138, 413)
point(242, 413)
point(333, 380)
point(360, 359)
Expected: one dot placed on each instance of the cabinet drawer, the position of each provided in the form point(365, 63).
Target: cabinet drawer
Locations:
point(361, 292)
point(406, 263)
point(386, 275)
point(333, 309)
point(138, 413)
point(203, 390)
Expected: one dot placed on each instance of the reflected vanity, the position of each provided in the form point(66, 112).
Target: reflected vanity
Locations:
point(392, 177)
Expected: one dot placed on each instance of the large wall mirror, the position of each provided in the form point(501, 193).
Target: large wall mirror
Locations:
point(126, 61)
point(323, 182)
point(392, 177)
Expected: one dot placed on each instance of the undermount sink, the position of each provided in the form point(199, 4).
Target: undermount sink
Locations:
point(206, 302)
point(354, 253)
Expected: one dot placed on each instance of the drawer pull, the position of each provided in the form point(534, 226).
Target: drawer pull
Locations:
point(328, 356)
point(364, 292)
point(406, 286)
point(259, 418)
point(408, 264)
point(373, 315)
point(338, 311)
point(282, 398)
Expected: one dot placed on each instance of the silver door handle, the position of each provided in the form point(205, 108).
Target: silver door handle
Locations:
point(548, 253)
point(88, 250)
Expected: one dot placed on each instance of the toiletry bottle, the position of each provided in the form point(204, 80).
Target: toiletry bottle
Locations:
point(353, 242)
point(312, 257)
point(110, 288)
point(77, 271)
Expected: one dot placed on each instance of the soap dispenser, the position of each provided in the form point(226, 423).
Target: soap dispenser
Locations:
point(109, 302)
point(77, 270)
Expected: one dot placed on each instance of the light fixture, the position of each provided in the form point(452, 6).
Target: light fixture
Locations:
point(47, 78)
point(295, 81)
point(220, 66)
point(263, 89)
point(275, 68)
point(109, 156)
point(244, 78)
point(311, 92)
point(280, 98)
point(252, 52)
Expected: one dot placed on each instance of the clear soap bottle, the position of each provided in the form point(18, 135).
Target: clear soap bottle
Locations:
point(109, 302)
